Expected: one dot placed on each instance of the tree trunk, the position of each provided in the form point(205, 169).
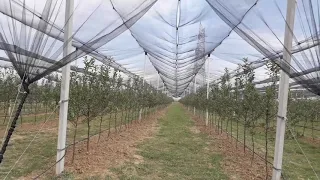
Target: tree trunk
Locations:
point(74, 141)
point(209, 122)
point(221, 125)
point(126, 122)
point(35, 112)
point(121, 119)
point(115, 120)
point(304, 126)
point(252, 134)
point(88, 135)
point(46, 111)
point(128, 116)
point(218, 120)
point(231, 128)
point(252, 139)
point(237, 133)
point(227, 124)
point(31, 108)
point(244, 138)
point(109, 123)
point(100, 125)
point(4, 107)
point(21, 119)
point(313, 125)
point(266, 136)
point(6, 110)
point(245, 131)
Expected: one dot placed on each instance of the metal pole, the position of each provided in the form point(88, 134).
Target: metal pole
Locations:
point(144, 68)
point(283, 92)
point(207, 111)
point(64, 94)
point(189, 89)
point(158, 81)
point(144, 79)
point(195, 91)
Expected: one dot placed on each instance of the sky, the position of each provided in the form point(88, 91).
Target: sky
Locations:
point(155, 32)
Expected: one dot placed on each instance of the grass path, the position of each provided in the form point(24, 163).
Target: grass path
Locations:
point(178, 151)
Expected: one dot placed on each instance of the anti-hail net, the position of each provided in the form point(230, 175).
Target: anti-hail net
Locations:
point(176, 36)
point(265, 33)
point(161, 38)
point(34, 32)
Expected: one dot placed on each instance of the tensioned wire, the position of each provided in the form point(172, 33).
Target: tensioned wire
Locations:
point(11, 112)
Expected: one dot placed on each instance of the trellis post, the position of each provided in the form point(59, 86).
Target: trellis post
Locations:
point(144, 79)
point(208, 74)
point(283, 91)
point(158, 81)
point(195, 91)
point(64, 94)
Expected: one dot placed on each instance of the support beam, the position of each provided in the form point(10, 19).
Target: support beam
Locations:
point(144, 79)
point(144, 67)
point(283, 92)
point(64, 94)
point(158, 82)
point(189, 90)
point(208, 74)
point(195, 91)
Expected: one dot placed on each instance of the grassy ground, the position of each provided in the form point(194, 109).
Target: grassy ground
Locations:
point(295, 165)
point(178, 151)
point(42, 151)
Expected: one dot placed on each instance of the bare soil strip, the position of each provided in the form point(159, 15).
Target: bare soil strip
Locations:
point(236, 163)
point(111, 151)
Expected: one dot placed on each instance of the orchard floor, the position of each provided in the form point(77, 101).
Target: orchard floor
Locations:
point(177, 151)
point(171, 144)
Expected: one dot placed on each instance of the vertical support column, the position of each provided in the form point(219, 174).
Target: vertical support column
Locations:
point(195, 91)
point(144, 67)
point(283, 92)
point(208, 74)
point(144, 79)
point(158, 81)
point(189, 94)
point(9, 109)
point(64, 94)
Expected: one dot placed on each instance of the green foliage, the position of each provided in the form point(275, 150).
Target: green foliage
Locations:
point(255, 112)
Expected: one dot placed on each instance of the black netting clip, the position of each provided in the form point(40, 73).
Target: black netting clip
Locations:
point(63, 101)
point(281, 117)
point(59, 150)
point(277, 169)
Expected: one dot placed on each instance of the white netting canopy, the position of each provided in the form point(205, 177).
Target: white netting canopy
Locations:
point(165, 38)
